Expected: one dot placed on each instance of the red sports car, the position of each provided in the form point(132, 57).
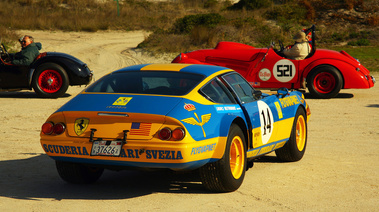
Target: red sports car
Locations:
point(323, 72)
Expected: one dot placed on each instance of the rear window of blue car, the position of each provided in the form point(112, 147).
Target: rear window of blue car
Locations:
point(147, 82)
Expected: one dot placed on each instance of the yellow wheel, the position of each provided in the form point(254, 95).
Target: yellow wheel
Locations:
point(301, 133)
point(294, 149)
point(227, 174)
point(237, 157)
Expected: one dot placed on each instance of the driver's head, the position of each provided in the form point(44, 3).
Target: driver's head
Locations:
point(300, 37)
point(26, 40)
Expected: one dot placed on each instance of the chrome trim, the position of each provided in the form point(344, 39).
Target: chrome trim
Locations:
point(113, 114)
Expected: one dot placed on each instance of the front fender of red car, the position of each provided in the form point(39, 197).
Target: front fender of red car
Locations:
point(354, 76)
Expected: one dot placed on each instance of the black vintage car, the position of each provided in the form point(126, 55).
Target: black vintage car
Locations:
point(49, 75)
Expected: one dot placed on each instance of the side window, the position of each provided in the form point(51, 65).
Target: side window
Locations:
point(216, 93)
point(241, 87)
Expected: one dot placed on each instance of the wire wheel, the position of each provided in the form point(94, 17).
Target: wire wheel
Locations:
point(50, 81)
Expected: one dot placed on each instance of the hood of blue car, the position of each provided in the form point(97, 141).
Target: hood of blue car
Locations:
point(147, 104)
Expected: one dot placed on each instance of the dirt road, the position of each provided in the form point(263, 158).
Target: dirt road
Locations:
point(339, 172)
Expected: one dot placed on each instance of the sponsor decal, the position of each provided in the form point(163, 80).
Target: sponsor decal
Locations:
point(226, 109)
point(279, 109)
point(204, 119)
point(81, 125)
point(122, 101)
point(125, 153)
point(142, 129)
point(189, 107)
point(203, 149)
point(264, 74)
point(289, 101)
point(284, 70)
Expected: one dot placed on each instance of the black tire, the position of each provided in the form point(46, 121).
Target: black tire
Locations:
point(324, 82)
point(50, 80)
point(227, 174)
point(78, 173)
point(295, 147)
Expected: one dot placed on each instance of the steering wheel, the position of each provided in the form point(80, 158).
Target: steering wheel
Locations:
point(281, 46)
point(4, 53)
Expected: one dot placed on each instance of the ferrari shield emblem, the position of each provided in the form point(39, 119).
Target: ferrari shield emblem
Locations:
point(81, 125)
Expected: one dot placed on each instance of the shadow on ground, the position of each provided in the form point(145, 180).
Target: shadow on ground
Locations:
point(36, 178)
point(24, 94)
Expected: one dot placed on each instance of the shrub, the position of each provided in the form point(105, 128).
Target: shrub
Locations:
point(251, 4)
point(360, 42)
point(186, 24)
point(290, 12)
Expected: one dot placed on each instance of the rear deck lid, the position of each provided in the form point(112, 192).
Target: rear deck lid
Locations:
point(111, 114)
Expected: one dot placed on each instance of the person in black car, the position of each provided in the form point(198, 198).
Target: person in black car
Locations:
point(29, 51)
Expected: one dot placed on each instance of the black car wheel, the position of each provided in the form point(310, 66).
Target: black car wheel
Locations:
point(294, 149)
point(324, 82)
point(227, 174)
point(50, 80)
point(78, 173)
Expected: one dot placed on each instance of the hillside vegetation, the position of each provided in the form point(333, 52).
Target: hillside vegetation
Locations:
point(182, 25)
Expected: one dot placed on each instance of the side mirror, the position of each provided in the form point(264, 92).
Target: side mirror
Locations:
point(257, 94)
point(283, 92)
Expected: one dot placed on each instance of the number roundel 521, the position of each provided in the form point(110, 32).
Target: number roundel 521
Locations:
point(284, 70)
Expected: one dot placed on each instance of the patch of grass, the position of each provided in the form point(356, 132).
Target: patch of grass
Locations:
point(367, 55)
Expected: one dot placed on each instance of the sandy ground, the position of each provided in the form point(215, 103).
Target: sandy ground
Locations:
point(339, 172)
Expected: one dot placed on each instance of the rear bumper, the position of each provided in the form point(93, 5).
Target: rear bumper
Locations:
point(184, 156)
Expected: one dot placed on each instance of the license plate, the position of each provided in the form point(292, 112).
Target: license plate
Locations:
point(106, 148)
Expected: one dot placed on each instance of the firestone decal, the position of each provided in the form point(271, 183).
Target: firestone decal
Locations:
point(284, 70)
point(264, 74)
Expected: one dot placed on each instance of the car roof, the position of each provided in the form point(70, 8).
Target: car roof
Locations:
point(206, 70)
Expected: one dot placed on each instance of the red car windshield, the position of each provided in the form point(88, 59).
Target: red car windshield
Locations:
point(147, 82)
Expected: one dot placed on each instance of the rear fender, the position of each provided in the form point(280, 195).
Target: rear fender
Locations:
point(351, 77)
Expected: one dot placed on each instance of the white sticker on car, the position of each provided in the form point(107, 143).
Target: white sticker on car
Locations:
point(267, 121)
point(264, 74)
point(284, 70)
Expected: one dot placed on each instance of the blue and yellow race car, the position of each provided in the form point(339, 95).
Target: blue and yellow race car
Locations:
point(174, 116)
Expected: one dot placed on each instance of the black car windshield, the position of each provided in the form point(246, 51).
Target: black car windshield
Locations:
point(147, 82)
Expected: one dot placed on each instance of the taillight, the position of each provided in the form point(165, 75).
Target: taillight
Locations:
point(167, 134)
point(164, 134)
point(49, 128)
point(59, 128)
point(178, 134)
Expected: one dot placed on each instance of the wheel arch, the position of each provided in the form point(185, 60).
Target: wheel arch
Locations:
point(241, 124)
point(70, 67)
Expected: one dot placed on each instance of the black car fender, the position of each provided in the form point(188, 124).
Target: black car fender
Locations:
point(77, 71)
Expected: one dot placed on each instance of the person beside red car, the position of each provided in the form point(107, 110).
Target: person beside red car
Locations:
point(29, 51)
